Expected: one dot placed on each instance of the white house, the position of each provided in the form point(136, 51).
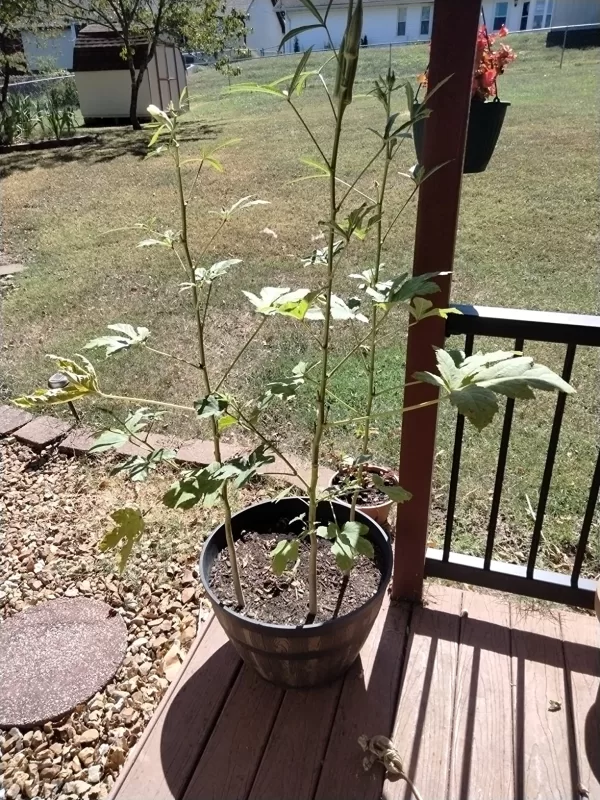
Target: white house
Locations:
point(265, 23)
point(400, 21)
point(50, 46)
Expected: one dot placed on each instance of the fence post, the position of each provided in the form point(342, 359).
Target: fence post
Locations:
point(564, 44)
point(453, 42)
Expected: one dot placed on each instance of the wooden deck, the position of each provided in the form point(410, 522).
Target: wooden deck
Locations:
point(481, 698)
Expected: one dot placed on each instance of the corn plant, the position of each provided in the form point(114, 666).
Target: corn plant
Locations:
point(471, 384)
point(24, 112)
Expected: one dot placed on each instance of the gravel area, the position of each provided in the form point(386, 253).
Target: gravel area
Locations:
point(53, 511)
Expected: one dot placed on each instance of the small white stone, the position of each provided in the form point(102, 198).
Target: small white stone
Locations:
point(94, 773)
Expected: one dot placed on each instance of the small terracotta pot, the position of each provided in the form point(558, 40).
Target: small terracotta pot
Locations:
point(381, 511)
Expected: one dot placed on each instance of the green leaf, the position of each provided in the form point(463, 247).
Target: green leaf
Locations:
point(365, 548)
point(429, 377)
point(138, 468)
point(299, 79)
point(352, 531)
point(447, 368)
point(241, 204)
point(128, 530)
point(310, 6)
point(395, 493)
point(330, 531)
point(129, 337)
point(198, 487)
point(344, 555)
point(214, 405)
point(217, 270)
point(226, 421)
point(283, 554)
point(478, 405)
point(242, 468)
point(296, 32)
point(109, 440)
point(82, 381)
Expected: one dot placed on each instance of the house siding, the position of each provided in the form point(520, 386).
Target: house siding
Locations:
point(381, 21)
point(264, 28)
point(380, 25)
point(54, 46)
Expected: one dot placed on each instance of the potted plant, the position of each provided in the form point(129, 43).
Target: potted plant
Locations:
point(487, 112)
point(296, 582)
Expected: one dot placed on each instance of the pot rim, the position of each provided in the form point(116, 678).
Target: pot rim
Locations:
point(300, 630)
point(371, 468)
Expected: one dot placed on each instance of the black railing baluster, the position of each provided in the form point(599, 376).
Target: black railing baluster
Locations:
point(549, 467)
point(456, 455)
point(588, 518)
point(500, 469)
point(571, 330)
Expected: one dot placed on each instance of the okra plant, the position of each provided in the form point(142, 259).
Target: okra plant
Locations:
point(471, 384)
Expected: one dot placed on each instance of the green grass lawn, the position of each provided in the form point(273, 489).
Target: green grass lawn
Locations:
point(528, 237)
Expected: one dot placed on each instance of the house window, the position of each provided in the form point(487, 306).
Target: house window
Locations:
point(500, 14)
point(524, 16)
point(425, 20)
point(548, 22)
point(538, 14)
point(401, 21)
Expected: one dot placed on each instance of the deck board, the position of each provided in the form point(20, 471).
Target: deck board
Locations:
point(544, 746)
point(233, 754)
point(164, 759)
point(422, 733)
point(302, 727)
point(461, 685)
point(583, 680)
point(482, 743)
point(366, 706)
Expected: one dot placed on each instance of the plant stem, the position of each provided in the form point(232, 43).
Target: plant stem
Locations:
point(240, 354)
point(205, 376)
point(142, 401)
point(272, 446)
point(357, 346)
point(374, 327)
point(170, 355)
point(324, 377)
point(386, 413)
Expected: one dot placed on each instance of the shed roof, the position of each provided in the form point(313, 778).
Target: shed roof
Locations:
point(98, 47)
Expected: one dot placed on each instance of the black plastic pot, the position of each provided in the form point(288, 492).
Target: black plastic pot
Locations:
point(485, 124)
point(308, 655)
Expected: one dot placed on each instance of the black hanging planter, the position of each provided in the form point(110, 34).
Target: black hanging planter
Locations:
point(485, 124)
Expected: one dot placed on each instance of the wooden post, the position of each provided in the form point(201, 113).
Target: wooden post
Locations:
point(453, 43)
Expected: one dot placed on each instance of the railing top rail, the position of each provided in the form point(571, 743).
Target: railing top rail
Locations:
point(517, 323)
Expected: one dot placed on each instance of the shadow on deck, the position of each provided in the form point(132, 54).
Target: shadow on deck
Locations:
point(481, 699)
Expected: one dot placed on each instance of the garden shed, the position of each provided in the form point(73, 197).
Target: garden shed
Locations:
point(103, 80)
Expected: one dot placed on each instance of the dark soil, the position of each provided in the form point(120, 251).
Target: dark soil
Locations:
point(283, 599)
point(369, 494)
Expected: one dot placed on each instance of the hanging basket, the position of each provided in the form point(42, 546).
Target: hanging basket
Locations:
point(485, 124)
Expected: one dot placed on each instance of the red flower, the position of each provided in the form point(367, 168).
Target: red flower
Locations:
point(489, 63)
point(488, 78)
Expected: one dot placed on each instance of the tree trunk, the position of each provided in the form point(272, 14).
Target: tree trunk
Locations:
point(5, 82)
point(135, 88)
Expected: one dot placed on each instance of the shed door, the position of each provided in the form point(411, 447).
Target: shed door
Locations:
point(167, 76)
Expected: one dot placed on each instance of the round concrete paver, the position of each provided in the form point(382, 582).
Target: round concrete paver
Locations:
point(56, 655)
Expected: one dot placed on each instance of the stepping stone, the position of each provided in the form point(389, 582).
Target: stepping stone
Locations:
point(78, 441)
point(11, 269)
point(56, 655)
point(155, 440)
point(201, 453)
point(12, 418)
point(42, 431)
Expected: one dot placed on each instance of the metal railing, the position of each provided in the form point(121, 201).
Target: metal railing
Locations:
point(572, 330)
